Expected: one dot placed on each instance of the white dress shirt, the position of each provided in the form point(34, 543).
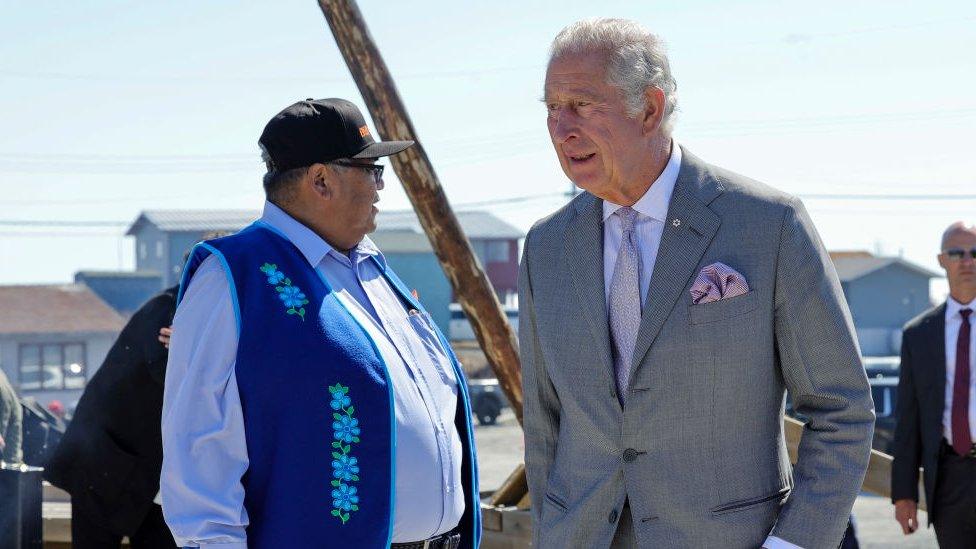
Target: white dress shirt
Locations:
point(652, 210)
point(204, 447)
point(953, 323)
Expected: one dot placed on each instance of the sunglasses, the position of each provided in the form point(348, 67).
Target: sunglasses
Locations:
point(375, 169)
point(957, 254)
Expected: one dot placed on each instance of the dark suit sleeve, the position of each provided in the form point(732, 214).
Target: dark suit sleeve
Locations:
point(142, 334)
point(136, 348)
point(821, 366)
point(541, 407)
point(908, 434)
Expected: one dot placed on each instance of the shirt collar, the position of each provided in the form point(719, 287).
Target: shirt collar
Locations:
point(311, 245)
point(654, 203)
point(953, 307)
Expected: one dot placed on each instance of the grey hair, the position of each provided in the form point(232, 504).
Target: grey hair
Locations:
point(956, 227)
point(279, 186)
point(637, 59)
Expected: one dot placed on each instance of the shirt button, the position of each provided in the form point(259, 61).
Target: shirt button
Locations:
point(613, 516)
point(630, 455)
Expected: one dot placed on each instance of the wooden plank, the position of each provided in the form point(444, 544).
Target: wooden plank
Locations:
point(877, 480)
point(471, 285)
point(878, 477)
point(491, 519)
point(56, 517)
point(53, 493)
point(513, 489)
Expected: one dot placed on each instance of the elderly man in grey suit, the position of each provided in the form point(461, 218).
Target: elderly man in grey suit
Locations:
point(664, 313)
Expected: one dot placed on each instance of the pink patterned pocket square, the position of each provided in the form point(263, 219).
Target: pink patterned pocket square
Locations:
point(718, 281)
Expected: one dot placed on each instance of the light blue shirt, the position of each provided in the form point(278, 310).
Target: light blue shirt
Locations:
point(204, 449)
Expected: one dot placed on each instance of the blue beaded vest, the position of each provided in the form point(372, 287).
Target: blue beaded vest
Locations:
point(317, 403)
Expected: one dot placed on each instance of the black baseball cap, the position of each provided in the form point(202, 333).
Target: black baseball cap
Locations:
point(318, 131)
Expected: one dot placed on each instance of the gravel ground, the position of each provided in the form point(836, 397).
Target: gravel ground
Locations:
point(501, 447)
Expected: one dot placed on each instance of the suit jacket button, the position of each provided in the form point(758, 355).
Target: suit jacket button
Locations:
point(613, 516)
point(630, 455)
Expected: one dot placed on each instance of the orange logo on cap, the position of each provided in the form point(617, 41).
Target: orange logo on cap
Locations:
point(363, 131)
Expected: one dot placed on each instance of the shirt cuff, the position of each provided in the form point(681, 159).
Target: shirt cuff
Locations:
point(220, 545)
point(773, 542)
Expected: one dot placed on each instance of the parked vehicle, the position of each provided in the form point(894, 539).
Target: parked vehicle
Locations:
point(884, 390)
point(882, 373)
point(881, 366)
point(487, 400)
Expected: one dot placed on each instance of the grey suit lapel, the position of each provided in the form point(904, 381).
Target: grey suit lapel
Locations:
point(583, 255)
point(688, 230)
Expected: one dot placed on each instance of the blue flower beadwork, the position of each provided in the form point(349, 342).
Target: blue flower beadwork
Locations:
point(289, 294)
point(345, 467)
point(275, 277)
point(346, 429)
point(292, 296)
point(344, 498)
point(339, 402)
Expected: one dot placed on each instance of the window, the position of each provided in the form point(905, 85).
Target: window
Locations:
point(52, 366)
point(491, 251)
point(496, 251)
point(159, 248)
point(142, 250)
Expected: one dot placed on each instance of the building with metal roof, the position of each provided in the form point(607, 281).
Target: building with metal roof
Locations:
point(164, 236)
point(851, 267)
point(125, 291)
point(53, 338)
point(197, 221)
point(883, 294)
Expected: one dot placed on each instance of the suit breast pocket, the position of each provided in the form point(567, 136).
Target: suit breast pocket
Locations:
point(723, 309)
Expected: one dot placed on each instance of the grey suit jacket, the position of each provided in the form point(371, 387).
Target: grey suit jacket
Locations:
point(699, 450)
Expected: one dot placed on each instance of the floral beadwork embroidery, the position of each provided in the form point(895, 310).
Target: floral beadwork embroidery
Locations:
point(290, 295)
point(345, 467)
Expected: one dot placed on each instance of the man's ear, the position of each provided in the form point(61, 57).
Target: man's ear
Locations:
point(653, 112)
point(319, 179)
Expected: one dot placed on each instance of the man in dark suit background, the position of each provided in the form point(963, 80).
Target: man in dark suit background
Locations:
point(110, 457)
point(937, 404)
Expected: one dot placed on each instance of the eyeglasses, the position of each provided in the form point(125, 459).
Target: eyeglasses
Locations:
point(957, 254)
point(375, 169)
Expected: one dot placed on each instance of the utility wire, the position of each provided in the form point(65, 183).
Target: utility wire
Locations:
point(274, 80)
point(520, 200)
point(868, 196)
point(176, 79)
point(58, 223)
point(453, 152)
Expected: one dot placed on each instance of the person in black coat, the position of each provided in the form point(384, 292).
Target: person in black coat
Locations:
point(111, 454)
point(935, 428)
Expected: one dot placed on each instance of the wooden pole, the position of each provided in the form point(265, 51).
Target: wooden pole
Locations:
point(471, 285)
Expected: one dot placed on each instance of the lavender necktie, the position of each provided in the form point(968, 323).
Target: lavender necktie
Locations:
point(962, 441)
point(625, 303)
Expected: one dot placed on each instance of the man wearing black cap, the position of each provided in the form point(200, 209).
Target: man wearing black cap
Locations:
point(310, 401)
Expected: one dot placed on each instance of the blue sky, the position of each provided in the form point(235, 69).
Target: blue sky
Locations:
point(110, 108)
